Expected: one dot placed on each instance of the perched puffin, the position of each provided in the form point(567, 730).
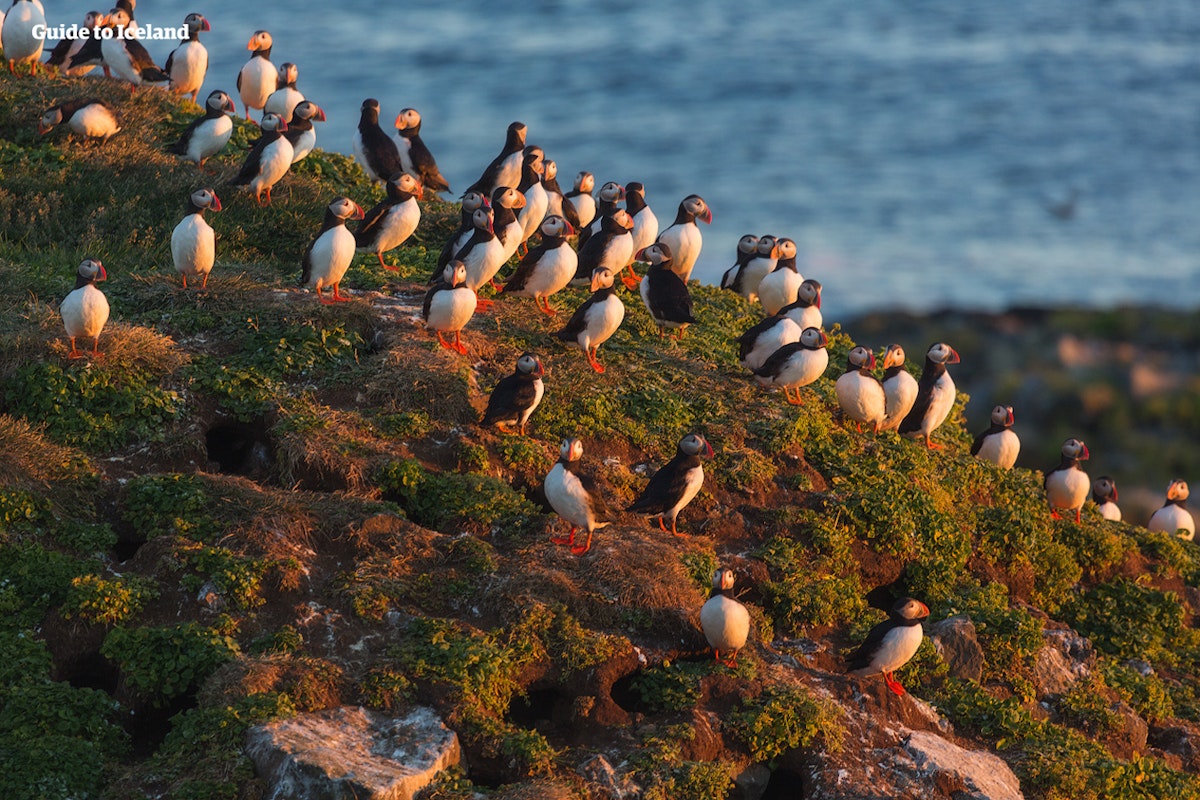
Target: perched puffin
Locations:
point(683, 235)
point(581, 200)
point(300, 130)
point(67, 49)
point(608, 201)
point(258, 76)
point(574, 496)
point(193, 243)
point(935, 396)
point(268, 160)
point(414, 155)
point(516, 396)
point(1174, 517)
point(891, 643)
point(471, 202)
point(1104, 493)
point(759, 266)
point(449, 305)
point(554, 194)
point(796, 365)
point(24, 19)
point(546, 269)
point(645, 224)
point(286, 97)
point(676, 484)
point(781, 286)
point(91, 118)
point(208, 134)
point(85, 310)
point(530, 187)
point(505, 169)
point(1067, 484)
point(758, 343)
point(806, 311)
point(665, 296)
point(374, 150)
point(127, 57)
point(725, 621)
point(859, 393)
point(747, 248)
point(483, 252)
point(612, 247)
point(597, 319)
point(507, 202)
point(392, 221)
point(899, 386)
point(329, 254)
point(188, 64)
point(999, 443)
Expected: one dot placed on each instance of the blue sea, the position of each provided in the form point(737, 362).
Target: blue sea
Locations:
point(922, 153)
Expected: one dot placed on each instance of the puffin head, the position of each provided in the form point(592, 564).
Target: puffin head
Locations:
point(1104, 488)
point(481, 218)
point(813, 338)
point(585, 182)
point(786, 249)
point(894, 357)
point(408, 119)
point(518, 131)
point(370, 110)
point(611, 192)
point(472, 200)
point(908, 608)
point(118, 18)
point(748, 244)
point(92, 270)
point(273, 122)
point(1003, 415)
point(549, 170)
point(1177, 490)
point(722, 579)
point(205, 199)
point(861, 358)
point(50, 117)
point(407, 184)
point(530, 364)
point(655, 254)
point(288, 73)
point(219, 101)
point(307, 109)
point(92, 19)
point(694, 205)
point(1076, 449)
point(345, 208)
point(554, 225)
point(622, 219)
point(635, 187)
point(508, 197)
point(196, 22)
point(570, 450)
point(942, 353)
point(695, 445)
point(454, 274)
point(810, 293)
point(602, 278)
point(768, 246)
point(261, 40)
point(533, 156)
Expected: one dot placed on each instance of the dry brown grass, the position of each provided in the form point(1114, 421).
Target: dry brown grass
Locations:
point(322, 448)
point(29, 458)
point(418, 376)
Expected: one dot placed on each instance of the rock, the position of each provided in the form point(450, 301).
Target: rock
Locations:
point(752, 781)
point(352, 752)
point(958, 646)
point(1064, 658)
point(1180, 741)
point(966, 774)
point(1130, 739)
point(598, 771)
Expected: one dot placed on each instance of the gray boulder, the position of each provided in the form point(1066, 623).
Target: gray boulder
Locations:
point(956, 642)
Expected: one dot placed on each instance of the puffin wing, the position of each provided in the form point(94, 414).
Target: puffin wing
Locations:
point(180, 147)
point(139, 56)
point(437, 287)
point(253, 163)
point(89, 53)
point(748, 339)
point(306, 262)
point(861, 658)
point(366, 228)
point(525, 269)
point(669, 296)
point(425, 166)
point(599, 508)
point(578, 321)
point(912, 422)
point(667, 485)
point(776, 360)
point(978, 443)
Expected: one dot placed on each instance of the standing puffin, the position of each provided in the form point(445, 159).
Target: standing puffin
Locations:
point(556, 201)
point(891, 643)
point(1104, 493)
point(530, 187)
point(392, 221)
point(546, 269)
point(796, 365)
point(506, 204)
point(286, 97)
point(645, 223)
point(1067, 484)
point(608, 201)
point(193, 243)
point(747, 247)
point(91, 118)
point(483, 253)
point(470, 203)
point(935, 396)
point(999, 443)
point(725, 621)
point(574, 497)
point(597, 319)
point(806, 311)
point(208, 134)
point(676, 484)
point(665, 296)
point(268, 160)
point(612, 247)
point(581, 200)
point(516, 396)
point(188, 64)
point(683, 235)
point(85, 310)
point(899, 387)
point(66, 50)
point(300, 130)
point(18, 37)
point(759, 266)
point(329, 254)
point(258, 76)
point(414, 155)
point(781, 286)
point(374, 150)
point(1174, 517)
point(859, 393)
point(126, 56)
point(504, 169)
point(449, 305)
point(758, 343)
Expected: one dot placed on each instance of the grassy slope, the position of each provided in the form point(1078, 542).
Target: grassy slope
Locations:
point(391, 549)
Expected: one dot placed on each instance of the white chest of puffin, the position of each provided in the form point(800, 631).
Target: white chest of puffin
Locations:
point(554, 192)
point(329, 254)
point(594, 322)
point(806, 311)
point(373, 149)
point(796, 365)
point(449, 305)
point(1174, 517)
point(389, 224)
point(725, 621)
point(283, 100)
point(580, 199)
point(1104, 494)
point(747, 247)
point(193, 243)
point(504, 169)
point(611, 248)
point(859, 393)
point(664, 294)
point(608, 200)
point(482, 253)
point(1067, 484)
point(471, 202)
point(126, 56)
point(415, 156)
point(268, 160)
point(891, 644)
point(574, 497)
point(759, 266)
point(899, 388)
point(188, 63)
point(18, 35)
point(85, 309)
point(935, 396)
point(781, 286)
point(645, 223)
point(676, 484)
point(683, 236)
point(998, 444)
point(91, 118)
point(301, 132)
point(506, 203)
point(258, 77)
point(515, 397)
point(208, 134)
point(536, 200)
point(547, 268)
point(757, 344)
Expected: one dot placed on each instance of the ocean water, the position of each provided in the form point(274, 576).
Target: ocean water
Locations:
point(922, 154)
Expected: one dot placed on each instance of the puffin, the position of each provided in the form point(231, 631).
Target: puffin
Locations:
point(483, 253)
point(515, 397)
point(597, 319)
point(1067, 484)
point(1104, 494)
point(389, 224)
point(18, 38)
point(268, 160)
point(608, 201)
point(507, 202)
point(683, 235)
point(91, 118)
point(547, 268)
point(781, 286)
point(258, 76)
point(935, 396)
point(557, 202)
point(574, 497)
point(374, 150)
point(301, 132)
point(85, 309)
point(67, 49)
point(286, 97)
point(665, 296)
point(536, 200)
point(193, 243)
point(415, 157)
point(329, 254)
point(126, 56)
point(859, 393)
point(645, 224)
point(725, 621)
point(470, 202)
point(449, 305)
point(1174, 517)
point(796, 365)
point(676, 484)
point(763, 339)
point(999, 443)
point(208, 134)
point(188, 63)
point(580, 199)
point(891, 643)
point(504, 169)
point(759, 266)
point(899, 387)
point(806, 311)
point(611, 247)
point(747, 247)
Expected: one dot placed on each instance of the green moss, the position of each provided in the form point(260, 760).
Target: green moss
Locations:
point(163, 663)
point(806, 591)
point(108, 602)
point(1125, 619)
point(446, 501)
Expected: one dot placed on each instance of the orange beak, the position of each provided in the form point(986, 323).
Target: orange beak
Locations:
point(216, 203)
point(358, 212)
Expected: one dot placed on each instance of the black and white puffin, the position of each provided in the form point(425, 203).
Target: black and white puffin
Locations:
point(683, 235)
point(483, 253)
point(763, 339)
point(781, 286)
point(193, 243)
point(676, 484)
point(188, 63)
point(998, 444)
point(581, 200)
point(268, 160)
point(899, 387)
point(724, 620)
point(449, 305)
point(612, 247)
point(891, 643)
point(258, 77)
point(301, 132)
point(530, 187)
point(645, 223)
point(1104, 494)
point(759, 266)
point(1067, 485)
point(415, 156)
point(859, 393)
point(556, 201)
point(208, 134)
point(574, 497)
point(796, 365)
point(664, 294)
point(85, 309)
point(747, 247)
point(806, 311)
point(1174, 517)
point(597, 319)
point(470, 202)
point(515, 397)
point(374, 150)
point(507, 203)
point(91, 118)
point(67, 49)
point(19, 37)
point(608, 200)
point(329, 254)
point(392, 221)
point(504, 169)
point(935, 396)
point(547, 268)
point(126, 56)
point(286, 97)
